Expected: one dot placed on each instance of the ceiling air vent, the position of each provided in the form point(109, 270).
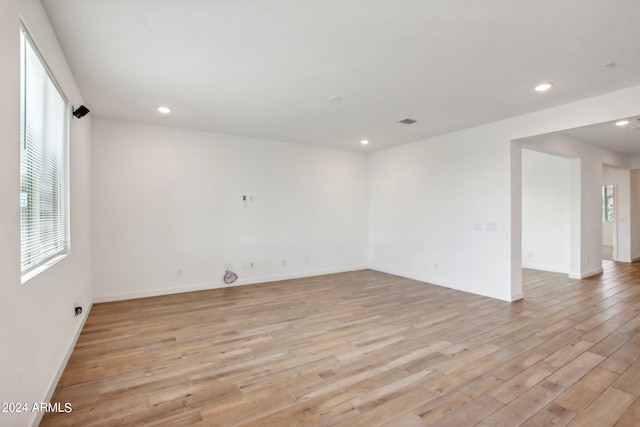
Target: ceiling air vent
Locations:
point(406, 122)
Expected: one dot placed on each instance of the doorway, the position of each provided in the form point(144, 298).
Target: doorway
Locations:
point(609, 229)
point(546, 211)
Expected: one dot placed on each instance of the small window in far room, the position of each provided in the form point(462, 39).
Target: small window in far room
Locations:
point(607, 203)
point(43, 164)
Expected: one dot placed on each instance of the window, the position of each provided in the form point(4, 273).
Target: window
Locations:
point(43, 153)
point(607, 203)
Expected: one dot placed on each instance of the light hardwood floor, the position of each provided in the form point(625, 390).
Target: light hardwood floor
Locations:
point(363, 349)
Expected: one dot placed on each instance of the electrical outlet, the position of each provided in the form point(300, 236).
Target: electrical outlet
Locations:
point(529, 254)
point(179, 272)
point(228, 267)
point(251, 266)
point(284, 262)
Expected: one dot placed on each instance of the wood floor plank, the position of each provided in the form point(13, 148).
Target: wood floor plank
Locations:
point(517, 348)
point(631, 417)
point(393, 387)
point(447, 383)
point(363, 348)
point(470, 413)
point(521, 383)
point(569, 352)
point(389, 410)
point(605, 410)
point(622, 358)
point(576, 369)
point(525, 406)
point(438, 408)
point(550, 415)
point(317, 410)
point(407, 420)
point(518, 364)
point(463, 359)
point(629, 380)
point(562, 339)
point(582, 393)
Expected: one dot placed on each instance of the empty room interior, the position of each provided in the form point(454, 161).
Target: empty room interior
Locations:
point(297, 212)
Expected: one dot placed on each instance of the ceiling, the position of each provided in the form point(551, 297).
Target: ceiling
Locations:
point(620, 139)
point(268, 69)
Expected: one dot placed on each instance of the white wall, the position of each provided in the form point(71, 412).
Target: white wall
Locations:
point(546, 211)
point(438, 212)
point(447, 210)
point(167, 199)
point(37, 322)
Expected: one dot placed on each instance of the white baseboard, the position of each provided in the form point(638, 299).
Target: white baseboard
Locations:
point(219, 285)
point(581, 276)
point(422, 279)
point(517, 297)
point(35, 421)
point(545, 268)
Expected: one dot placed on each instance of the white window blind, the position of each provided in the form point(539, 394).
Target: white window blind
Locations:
point(43, 184)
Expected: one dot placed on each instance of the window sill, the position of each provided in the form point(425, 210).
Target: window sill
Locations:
point(41, 268)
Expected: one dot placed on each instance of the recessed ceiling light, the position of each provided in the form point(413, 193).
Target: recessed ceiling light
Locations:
point(364, 142)
point(164, 110)
point(622, 122)
point(543, 87)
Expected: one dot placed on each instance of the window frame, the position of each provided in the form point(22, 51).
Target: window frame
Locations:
point(27, 42)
